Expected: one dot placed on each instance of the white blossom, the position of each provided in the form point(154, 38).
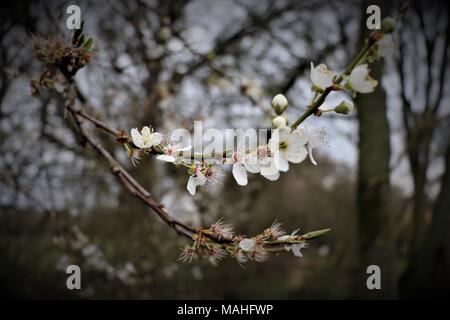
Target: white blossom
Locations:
point(267, 166)
point(296, 247)
point(243, 162)
point(312, 139)
point(247, 244)
point(260, 161)
point(287, 147)
point(213, 173)
point(196, 179)
point(321, 76)
point(146, 138)
point(171, 152)
point(361, 81)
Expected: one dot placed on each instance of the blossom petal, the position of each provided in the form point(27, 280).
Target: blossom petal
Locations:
point(296, 250)
point(272, 177)
point(165, 157)
point(281, 162)
point(239, 174)
point(361, 81)
point(146, 132)
point(321, 76)
point(247, 244)
point(283, 238)
point(311, 155)
point(156, 138)
point(138, 140)
point(251, 163)
point(296, 153)
point(192, 185)
point(200, 179)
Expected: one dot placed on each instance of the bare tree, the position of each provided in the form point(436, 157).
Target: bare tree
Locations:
point(423, 70)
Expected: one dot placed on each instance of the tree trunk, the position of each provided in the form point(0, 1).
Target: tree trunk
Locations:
point(376, 246)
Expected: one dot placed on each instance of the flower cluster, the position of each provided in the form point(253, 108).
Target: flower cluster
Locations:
point(268, 159)
point(287, 144)
point(219, 241)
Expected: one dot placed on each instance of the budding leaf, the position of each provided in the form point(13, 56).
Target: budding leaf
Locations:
point(315, 234)
point(87, 45)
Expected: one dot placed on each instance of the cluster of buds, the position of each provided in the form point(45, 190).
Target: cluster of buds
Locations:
point(279, 105)
point(68, 57)
point(47, 79)
point(219, 241)
point(57, 51)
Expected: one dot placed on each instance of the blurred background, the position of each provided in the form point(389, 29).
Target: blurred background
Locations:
point(382, 183)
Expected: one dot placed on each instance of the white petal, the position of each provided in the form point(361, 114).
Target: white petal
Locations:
point(251, 163)
point(310, 149)
point(253, 168)
point(156, 138)
point(296, 250)
point(239, 174)
point(272, 177)
point(296, 153)
point(278, 135)
point(200, 179)
point(137, 138)
point(146, 132)
point(165, 157)
point(247, 244)
point(281, 162)
point(361, 81)
point(192, 185)
point(321, 76)
point(283, 238)
point(267, 166)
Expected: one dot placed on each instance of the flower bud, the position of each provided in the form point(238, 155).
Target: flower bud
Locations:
point(388, 25)
point(345, 107)
point(279, 103)
point(279, 122)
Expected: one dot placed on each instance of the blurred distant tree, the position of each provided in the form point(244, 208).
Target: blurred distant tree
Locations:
point(423, 70)
point(429, 272)
point(422, 98)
